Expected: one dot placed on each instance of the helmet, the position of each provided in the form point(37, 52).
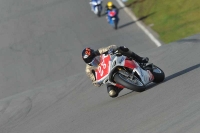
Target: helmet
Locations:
point(89, 57)
point(109, 5)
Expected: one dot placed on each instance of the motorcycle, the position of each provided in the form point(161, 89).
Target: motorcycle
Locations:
point(123, 72)
point(96, 7)
point(113, 18)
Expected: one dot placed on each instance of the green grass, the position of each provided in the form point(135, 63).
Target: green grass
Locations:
point(171, 19)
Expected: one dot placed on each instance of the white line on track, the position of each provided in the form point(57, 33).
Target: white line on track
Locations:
point(139, 24)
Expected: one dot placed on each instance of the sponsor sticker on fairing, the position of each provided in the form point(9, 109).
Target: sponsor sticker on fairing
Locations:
point(122, 59)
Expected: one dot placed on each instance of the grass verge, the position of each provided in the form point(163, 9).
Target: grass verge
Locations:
point(172, 20)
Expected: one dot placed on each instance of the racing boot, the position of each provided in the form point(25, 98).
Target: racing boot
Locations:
point(125, 51)
point(136, 57)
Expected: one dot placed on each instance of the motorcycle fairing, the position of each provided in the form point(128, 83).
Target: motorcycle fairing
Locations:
point(112, 13)
point(108, 64)
point(105, 68)
point(144, 75)
point(130, 64)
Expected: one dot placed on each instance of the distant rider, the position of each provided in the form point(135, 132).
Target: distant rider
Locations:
point(110, 6)
point(90, 57)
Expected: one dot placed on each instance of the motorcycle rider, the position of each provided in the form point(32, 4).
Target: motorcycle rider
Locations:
point(90, 58)
point(92, 6)
point(110, 6)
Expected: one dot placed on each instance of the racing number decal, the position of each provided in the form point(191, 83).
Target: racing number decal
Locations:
point(102, 64)
point(87, 52)
point(100, 70)
point(103, 67)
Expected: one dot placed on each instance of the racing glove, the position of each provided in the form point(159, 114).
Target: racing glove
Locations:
point(145, 60)
point(122, 49)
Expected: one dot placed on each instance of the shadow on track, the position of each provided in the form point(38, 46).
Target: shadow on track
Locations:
point(132, 22)
point(146, 16)
point(134, 2)
point(140, 19)
point(182, 72)
point(190, 40)
point(125, 94)
point(127, 24)
point(175, 75)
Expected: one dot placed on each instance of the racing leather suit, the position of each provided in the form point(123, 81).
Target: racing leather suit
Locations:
point(106, 11)
point(90, 69)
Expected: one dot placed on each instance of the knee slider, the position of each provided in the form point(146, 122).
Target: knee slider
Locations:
point(112, 91)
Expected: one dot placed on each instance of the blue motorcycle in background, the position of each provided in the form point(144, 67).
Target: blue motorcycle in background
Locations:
point(113, 19)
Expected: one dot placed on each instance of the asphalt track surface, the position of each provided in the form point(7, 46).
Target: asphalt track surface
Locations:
point(44, 88)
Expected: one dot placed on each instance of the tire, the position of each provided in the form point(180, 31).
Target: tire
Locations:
point(123, 80)
point(99, 14)
point(115, 25)
point(158, 74)
point(99, 11)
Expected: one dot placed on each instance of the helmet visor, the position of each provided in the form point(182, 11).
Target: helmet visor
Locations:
point(95, 62)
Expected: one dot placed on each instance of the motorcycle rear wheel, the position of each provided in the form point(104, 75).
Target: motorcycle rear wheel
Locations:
point(115, 25)
point(99, 14)
point(129, 83)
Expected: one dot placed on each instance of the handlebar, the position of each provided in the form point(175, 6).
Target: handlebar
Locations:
point(114, 52)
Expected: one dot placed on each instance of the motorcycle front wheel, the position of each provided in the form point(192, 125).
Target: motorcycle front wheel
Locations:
point(115, 24)
point(132, 84)
point(158, 73)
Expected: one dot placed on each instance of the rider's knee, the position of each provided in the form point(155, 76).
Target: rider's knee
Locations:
point(113, 91)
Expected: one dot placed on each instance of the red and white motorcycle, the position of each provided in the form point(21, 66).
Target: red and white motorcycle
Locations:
point(124, 72)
